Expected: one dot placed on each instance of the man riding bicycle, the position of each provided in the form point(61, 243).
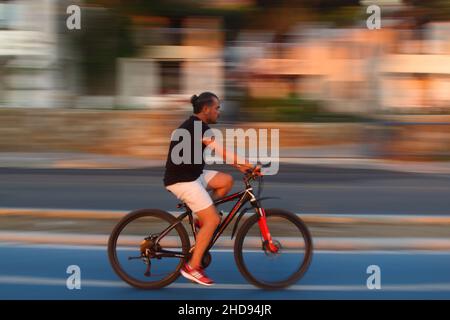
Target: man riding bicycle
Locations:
point(190, 183)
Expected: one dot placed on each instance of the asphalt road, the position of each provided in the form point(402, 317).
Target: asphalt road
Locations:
point(307, 189)
point(39, 272)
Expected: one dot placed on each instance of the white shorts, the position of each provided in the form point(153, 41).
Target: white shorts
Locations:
point(194, 193)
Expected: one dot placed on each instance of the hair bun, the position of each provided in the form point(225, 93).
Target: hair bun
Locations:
point(194, 98)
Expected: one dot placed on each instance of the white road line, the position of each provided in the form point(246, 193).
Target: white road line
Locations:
point(422, 287)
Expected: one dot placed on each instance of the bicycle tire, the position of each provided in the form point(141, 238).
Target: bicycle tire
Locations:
point(296, 275)
point(112, 243)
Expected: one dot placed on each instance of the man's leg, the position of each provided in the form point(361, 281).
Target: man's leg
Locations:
point(221, 183)
point(209, 218)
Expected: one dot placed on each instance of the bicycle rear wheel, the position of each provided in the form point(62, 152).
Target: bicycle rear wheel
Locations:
point(131, 249)
point(269, 270)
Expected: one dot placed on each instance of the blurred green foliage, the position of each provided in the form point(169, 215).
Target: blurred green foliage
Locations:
point(431, 10)
point(105, 35)
point(291, 109)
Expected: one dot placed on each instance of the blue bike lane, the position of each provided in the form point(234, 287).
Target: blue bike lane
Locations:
point(39, 272)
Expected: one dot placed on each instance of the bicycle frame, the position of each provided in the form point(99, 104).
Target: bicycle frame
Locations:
point(244, 196)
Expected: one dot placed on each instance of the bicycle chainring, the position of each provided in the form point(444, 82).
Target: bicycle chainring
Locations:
point(206, 260)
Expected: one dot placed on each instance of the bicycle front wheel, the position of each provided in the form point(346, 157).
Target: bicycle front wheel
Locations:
point(264, 268)
point(133, 253)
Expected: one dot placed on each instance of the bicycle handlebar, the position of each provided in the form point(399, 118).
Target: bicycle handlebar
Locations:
point(251, 175)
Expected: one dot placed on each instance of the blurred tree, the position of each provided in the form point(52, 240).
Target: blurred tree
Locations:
point(431, 9)
point(105, 35)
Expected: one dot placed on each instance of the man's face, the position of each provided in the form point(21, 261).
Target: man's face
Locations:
point(213, 111)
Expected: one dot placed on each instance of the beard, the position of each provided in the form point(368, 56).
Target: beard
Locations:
point(213, 121)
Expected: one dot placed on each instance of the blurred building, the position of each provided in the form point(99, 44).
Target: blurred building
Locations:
point(403, 66)
point(28, 53)
point(354, 69)
point(174, 64)
point(416, 74)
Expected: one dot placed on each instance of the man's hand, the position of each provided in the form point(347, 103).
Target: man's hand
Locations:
point(248, 166)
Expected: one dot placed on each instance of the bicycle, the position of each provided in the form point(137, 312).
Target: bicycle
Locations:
point(170, 248)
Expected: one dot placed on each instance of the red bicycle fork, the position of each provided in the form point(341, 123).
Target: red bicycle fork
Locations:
point(265, 231)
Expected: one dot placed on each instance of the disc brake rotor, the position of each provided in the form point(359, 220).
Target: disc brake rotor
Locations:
point(267, 250)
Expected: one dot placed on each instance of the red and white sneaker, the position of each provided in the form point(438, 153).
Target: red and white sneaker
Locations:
point(196, 275)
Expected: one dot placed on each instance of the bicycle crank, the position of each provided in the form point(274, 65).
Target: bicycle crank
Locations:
point(206, 260)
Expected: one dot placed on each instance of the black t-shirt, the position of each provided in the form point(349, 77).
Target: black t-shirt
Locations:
point(191, 167)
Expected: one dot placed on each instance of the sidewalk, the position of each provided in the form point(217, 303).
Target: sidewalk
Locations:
point(68, 160)
point(329, 231)
point(347, 156)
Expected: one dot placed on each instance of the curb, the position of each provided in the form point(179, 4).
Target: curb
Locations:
point(374, 164)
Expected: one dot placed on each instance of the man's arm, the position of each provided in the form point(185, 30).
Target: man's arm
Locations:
point(239, 162)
